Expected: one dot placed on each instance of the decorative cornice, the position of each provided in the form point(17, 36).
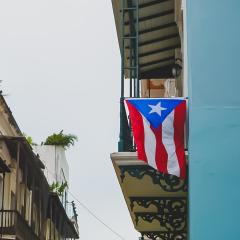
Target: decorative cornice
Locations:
point(168, 183)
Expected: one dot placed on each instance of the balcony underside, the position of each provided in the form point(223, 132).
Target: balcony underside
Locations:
point(158, 35)
point(157, 202)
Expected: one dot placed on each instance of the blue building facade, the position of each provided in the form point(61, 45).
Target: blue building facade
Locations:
point(214, 118)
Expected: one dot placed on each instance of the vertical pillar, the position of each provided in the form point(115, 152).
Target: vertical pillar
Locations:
point(3, 190)
point(25, 190)
point(121, 133)
point(17, 176)
point(137, 94)
point(39, 211)
point(54, 222)
point(50, 232)
point(2, 207)
point(32, 202)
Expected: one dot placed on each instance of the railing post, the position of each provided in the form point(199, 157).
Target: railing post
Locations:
point(32, 202)
point(25, 190)
point(121, 134)
point(39, 212)
point(122, 48)
point(125, 142)
point(137, 85)
point(17, 176)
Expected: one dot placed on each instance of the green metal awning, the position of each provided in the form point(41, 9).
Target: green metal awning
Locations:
point(158, 35)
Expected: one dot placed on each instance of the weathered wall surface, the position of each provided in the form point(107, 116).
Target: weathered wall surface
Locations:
point(54, 159)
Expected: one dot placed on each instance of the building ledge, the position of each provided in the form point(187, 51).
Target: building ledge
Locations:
point(151, 195)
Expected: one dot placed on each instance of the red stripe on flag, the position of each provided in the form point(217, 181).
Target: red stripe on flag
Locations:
point(138, 131)
point(179, 121)
point(161, 153)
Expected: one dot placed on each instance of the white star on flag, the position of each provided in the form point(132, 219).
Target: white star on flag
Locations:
point(157, 109)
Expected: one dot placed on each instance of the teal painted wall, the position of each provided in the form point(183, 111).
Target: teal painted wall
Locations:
point(214, 118)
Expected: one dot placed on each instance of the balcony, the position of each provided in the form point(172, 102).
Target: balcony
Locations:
point(148, 28)
point(157, 202)
point(150, 35)
point(13, 224)
point(59, 222)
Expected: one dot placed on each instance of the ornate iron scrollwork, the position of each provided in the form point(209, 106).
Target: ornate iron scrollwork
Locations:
point(165, 236)
point(159, 202)
point(168, 183)
point(172, 214)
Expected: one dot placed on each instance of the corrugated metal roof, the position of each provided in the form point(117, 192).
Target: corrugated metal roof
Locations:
point(158, 35)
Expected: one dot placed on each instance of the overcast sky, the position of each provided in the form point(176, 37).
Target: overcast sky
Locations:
point(60, 65)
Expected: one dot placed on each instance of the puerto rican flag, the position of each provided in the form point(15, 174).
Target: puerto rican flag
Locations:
point(158, 130)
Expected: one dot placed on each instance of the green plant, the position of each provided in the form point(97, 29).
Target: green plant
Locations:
point(29, 139)
point(61, 139)
point(62, 188)
point(53, 186)
point(58, 188)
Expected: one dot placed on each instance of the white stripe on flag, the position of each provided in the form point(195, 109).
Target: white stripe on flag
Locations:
point(149, 143)
point(169, 144)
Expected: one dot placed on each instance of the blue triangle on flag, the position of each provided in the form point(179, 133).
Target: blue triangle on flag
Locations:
point(155, 110)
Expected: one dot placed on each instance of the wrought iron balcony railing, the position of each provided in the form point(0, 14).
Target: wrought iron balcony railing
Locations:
point(125, 143)
point(12, 223)
point(157, 202)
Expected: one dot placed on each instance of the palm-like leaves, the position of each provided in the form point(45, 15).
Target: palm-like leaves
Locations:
point(61, 139)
